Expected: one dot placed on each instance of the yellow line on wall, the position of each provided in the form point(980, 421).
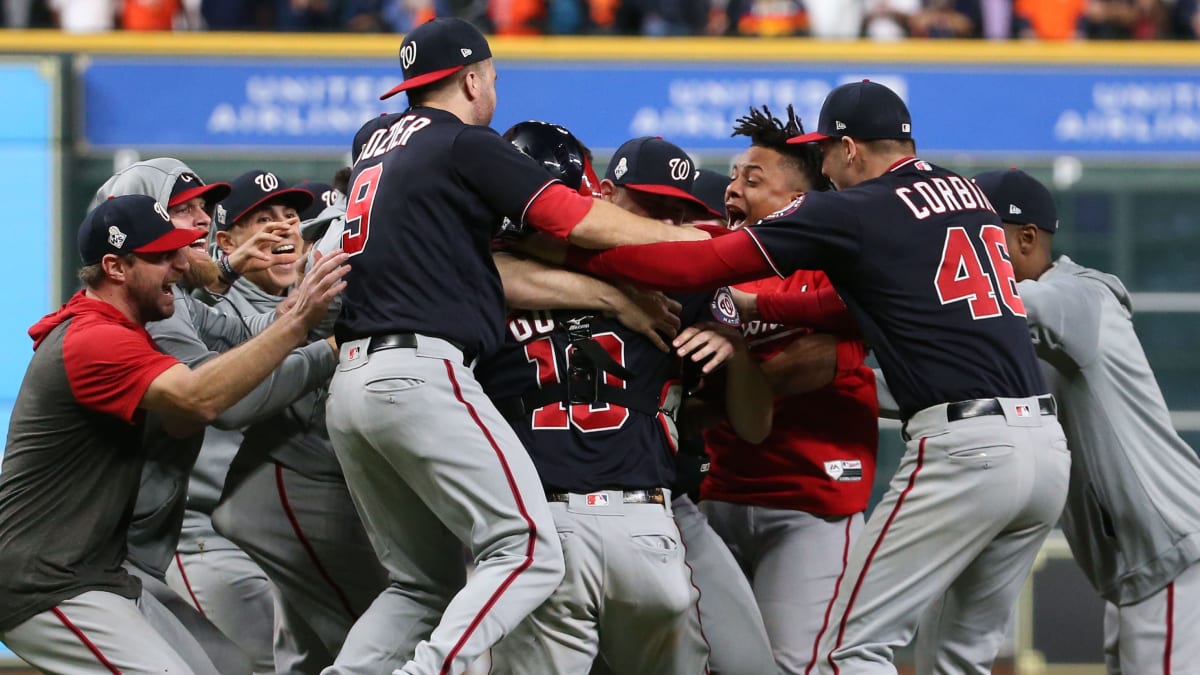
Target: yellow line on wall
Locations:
point(723, 50)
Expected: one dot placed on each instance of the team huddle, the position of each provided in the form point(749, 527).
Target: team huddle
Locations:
point(472, 406)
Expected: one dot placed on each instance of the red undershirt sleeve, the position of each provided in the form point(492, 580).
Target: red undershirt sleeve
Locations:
point(851, 353)
point(823, 309)
point(678, 266)
point(557, 210)
point(110, 367)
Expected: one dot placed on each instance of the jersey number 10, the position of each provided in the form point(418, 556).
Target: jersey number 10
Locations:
point(961, 275)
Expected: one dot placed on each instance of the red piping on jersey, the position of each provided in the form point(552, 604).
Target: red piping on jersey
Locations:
point(308, 548)
point(1170, 628)
point(816, 656)
point(188, 585)
point(512, 485)
point(912, 480)
point(766, 256)
point(901, 162)
point(692, 581)
point(86, 642)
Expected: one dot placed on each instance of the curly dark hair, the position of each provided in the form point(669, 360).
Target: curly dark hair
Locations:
point(767, 131)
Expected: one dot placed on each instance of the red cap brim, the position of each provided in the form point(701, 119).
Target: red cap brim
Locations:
point(177, 238)
point(669, 191)
point(421, 80)
point(202, 191)
point(810, 137)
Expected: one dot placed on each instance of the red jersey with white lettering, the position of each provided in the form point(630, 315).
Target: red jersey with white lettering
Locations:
point(820, 455)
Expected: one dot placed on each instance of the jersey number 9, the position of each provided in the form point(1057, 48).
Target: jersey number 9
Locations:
point(358, 209)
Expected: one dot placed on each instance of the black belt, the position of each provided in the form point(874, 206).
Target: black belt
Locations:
point(961, 410)
point(651, 496)
point(409, 341)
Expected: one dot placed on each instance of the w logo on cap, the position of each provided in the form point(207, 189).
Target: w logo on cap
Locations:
point(681, 168)
point(267, 182)
point(408, 55)
point(162, 211)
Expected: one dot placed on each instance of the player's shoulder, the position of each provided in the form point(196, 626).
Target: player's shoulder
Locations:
point(819, 206)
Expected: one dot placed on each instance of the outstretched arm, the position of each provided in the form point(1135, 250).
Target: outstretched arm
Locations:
point(683, 266)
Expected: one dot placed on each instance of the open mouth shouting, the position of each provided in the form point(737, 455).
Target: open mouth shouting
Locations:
point(737, 217)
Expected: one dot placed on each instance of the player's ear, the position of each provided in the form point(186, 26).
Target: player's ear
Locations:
point(115, 267)
point(225, 241)
point(607, 189)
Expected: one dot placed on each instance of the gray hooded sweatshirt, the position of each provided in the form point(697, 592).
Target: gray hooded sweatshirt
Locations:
point(293, 436)
point(195, 334)
point(1132, 517)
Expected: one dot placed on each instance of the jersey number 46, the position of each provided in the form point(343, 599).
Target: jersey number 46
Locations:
point(961, 275)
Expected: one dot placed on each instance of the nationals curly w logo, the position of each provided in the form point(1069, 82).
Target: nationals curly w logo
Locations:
point(408, 55)
point(681, 168)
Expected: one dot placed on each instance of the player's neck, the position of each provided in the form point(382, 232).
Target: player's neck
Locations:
point(457, 106)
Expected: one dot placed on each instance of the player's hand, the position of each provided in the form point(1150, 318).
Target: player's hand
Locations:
point(650, 313)
point(709, 342)
point(321, 285)
point(689, 234)
point(746, 303)
point(276, 243)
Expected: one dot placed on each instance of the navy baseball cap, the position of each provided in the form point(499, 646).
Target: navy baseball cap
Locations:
point(436, 50)
point(323, 194)
point(1019, 198)
point(189, 186)
point(254, 189)
point(709, 187)
point(864, 110)
point(130, 224)
point(650, 164)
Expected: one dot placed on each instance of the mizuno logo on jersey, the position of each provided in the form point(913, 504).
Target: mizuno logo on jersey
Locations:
point(844, 470)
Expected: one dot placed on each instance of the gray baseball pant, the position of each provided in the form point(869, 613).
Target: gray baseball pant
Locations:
point(102, 632)
point(963, 520)
point(627, 594)
point(730, 618)
point(1160, 634)
point(793, 560)
point(232, 592)
point(430, 463)
point(306, 536)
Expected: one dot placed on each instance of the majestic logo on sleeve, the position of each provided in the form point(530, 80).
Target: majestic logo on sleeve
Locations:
point(116, 238)
point(267, 182)
point(724, 309)
point(622, 169)
point(408, 55)
point(844, 470)
point(681, 168)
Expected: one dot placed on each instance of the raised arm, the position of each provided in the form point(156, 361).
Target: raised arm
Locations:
point(193, 398)
point(684, 266)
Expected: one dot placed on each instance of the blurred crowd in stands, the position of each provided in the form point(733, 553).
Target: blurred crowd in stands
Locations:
point(824, 19)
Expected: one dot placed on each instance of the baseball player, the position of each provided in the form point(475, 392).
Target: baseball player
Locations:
point(606, 462)
point(285, 502)
point(75, 445)
point(790, 507)
point(1133, 509)
point(429, 461)
point(223, 582)
point(195, 333)
point(918, 254)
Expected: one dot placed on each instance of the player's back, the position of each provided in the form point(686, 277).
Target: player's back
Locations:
point(582, 447)
point(425, 195)
point(918, 254)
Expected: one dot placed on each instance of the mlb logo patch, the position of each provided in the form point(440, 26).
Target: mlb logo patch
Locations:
point(596, 499)
point(1023, 411)
point(353, 353)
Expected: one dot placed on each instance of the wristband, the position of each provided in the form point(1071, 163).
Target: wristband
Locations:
point(228, 274)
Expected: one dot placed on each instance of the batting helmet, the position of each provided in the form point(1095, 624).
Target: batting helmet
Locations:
point(558, 151)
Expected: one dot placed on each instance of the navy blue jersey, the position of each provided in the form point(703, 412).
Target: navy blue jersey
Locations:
point(426, 196)
point(583, 448)
point(919, 256)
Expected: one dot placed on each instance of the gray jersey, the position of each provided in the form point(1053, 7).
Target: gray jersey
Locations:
point(1133, 512)
point(195, 334)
